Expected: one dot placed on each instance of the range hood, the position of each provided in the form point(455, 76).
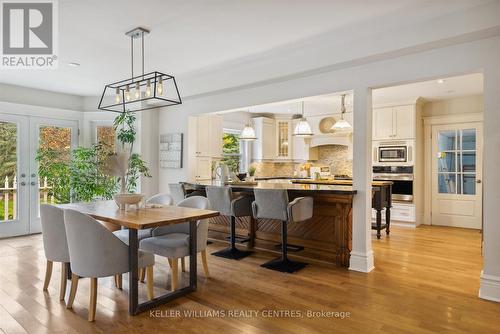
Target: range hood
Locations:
point(331, 139)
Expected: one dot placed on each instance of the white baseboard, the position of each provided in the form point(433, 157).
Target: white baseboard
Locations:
point(490, 287)
point(362, 262)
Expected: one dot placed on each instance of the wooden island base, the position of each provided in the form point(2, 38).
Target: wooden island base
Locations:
point(326, 237)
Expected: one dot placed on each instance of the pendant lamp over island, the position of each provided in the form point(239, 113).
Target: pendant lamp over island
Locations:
point(145, 91)
point(248, 133)
point(342, 125)
point(303, 128)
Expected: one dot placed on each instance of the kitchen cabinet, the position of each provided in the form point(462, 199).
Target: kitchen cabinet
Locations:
point(283, 141)
point(263, 148)
point(204, 145)
point(396, 122)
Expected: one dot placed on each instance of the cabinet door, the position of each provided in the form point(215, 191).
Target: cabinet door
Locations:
point(268, 140)
point(216, 133)
point(404, 118)
point(203, 168)
point(383, 124)
point(283, 139)
point(203, 136)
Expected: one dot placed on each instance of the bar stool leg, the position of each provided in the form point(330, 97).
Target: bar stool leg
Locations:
point(283, 263)
point(232, 252)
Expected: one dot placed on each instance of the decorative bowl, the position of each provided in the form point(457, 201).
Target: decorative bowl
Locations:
point(122, 200)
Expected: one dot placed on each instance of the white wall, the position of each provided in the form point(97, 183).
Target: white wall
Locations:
point(459, 105)
point(480, 55)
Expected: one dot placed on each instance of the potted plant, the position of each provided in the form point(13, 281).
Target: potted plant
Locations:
point(251, 173)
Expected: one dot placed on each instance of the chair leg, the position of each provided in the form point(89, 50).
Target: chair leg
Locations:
point(183, 264)
point(175, 273)
point(149, 282)
point(93, 298)
point(205, 262)
point(64, 280)
point(283, 264)
point(232, 252)
point(118, 281)
point(142, 274)
point(72, 291)
point(48, 275)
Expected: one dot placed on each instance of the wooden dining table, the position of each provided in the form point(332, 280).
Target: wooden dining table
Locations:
point(143, 218)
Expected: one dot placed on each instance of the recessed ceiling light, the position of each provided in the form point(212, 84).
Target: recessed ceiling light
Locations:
point(440, 81)
point(74, 64)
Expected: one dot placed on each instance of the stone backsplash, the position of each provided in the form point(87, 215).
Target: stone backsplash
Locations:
point(335, 156)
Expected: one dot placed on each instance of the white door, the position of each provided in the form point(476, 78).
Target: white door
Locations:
point(23, 191)
point(14, 172)
point(456, 175)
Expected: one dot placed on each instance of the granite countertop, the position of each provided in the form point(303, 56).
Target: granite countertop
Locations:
point(291, 187)
point(340, 182)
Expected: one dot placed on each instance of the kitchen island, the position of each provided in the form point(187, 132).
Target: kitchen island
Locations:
point(327, 237)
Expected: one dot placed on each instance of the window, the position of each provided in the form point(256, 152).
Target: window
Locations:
point(231, 154)
point(106, 136)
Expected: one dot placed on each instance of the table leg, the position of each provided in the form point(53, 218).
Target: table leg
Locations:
point(387, 220)
point(68, 270)
point(133, 259)
point(193, 245)
point(379, 222)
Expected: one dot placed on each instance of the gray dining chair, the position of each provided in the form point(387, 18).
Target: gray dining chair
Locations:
point(232, 205)
point(96, 252)
point(174, 245)
point(160, 199)
point(274, 204)
point(178, 192)
point(54, 244)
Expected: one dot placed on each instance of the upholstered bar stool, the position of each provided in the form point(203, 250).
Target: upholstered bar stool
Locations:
point(274, 204)
point(223, 200)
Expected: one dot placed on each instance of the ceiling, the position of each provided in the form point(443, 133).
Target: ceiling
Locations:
point(432, 90)
point(189, 36)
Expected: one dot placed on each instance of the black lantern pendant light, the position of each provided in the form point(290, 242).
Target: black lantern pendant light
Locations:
point(146, 91)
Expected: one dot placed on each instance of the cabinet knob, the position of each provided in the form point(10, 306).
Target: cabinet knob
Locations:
point(478, 181)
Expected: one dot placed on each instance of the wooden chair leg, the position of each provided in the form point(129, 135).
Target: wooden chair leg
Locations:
point(183, 264)
point(93, 298)
point(48, 275)
point(72, 291)
point(64, 280)
point(142, 274)
point(149, 280)
point(205, 262)
point(118, 281)
point(175, 273)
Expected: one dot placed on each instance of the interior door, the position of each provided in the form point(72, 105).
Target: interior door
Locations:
point(50, 134)
point(456, 175)
point(14, 170)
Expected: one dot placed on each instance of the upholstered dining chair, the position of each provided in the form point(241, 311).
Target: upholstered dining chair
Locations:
point(54, 244)
point(177, 191)
point(161, 199)
point(95, 252)
point(173, 243)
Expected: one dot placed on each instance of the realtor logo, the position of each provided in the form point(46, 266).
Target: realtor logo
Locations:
point(29, 34)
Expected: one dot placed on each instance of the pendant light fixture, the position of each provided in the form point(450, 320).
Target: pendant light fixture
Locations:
point(248, 133)
point(342, 125)
point(303, 129)
point(146, 91)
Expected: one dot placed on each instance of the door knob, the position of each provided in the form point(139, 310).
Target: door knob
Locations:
point(478, 181)
point(33, 183)
point(33, 175)
point(23, 175)
point(23, 183)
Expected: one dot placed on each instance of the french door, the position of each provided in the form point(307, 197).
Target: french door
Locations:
point(456, 175)
point(21, 189)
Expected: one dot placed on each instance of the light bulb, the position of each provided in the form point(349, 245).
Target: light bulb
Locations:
point(137, 91)
point(159, 88)
point(127, 93)
point(148, 88)
point(117, 96)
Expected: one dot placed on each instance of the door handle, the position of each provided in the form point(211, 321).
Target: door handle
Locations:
point(23, 183)
point(478, 181)
point(33, 175)
point(33, 183)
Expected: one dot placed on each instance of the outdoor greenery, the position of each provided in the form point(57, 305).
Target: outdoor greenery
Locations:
point(231, 151)
point(8, 154)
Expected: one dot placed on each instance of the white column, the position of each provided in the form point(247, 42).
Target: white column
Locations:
point(362, 254)
point(490, 276)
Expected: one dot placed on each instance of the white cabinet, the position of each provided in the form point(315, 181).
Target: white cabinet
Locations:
point(283, 142)
point(263, 148)
point(394, 122)
point(204, 145)
point(404, 212)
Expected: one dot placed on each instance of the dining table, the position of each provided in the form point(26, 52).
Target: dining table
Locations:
point(135, 219)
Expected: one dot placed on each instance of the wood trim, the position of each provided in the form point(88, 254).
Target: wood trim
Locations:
point(452, 119)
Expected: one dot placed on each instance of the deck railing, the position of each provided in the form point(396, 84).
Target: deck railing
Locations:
point(9, 197)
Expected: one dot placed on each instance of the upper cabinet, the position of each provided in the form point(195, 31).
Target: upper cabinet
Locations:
point(205, 132)
point(263, 148)
point(394, 122)
point(284, 142)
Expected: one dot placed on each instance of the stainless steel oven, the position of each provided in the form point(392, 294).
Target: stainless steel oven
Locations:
point(402, 178)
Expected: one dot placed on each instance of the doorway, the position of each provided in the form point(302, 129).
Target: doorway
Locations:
point(22, 190)
point(456, 175)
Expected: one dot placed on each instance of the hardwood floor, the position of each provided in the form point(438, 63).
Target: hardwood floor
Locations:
point(426, 281)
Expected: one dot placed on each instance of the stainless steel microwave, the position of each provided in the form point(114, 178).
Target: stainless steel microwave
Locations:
point(393, 154)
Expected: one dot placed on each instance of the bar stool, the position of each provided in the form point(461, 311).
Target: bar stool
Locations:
point(274, 204)
point(223, 200)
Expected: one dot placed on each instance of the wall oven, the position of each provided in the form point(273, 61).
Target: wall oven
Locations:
point(402, 178)
point(389, 153)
